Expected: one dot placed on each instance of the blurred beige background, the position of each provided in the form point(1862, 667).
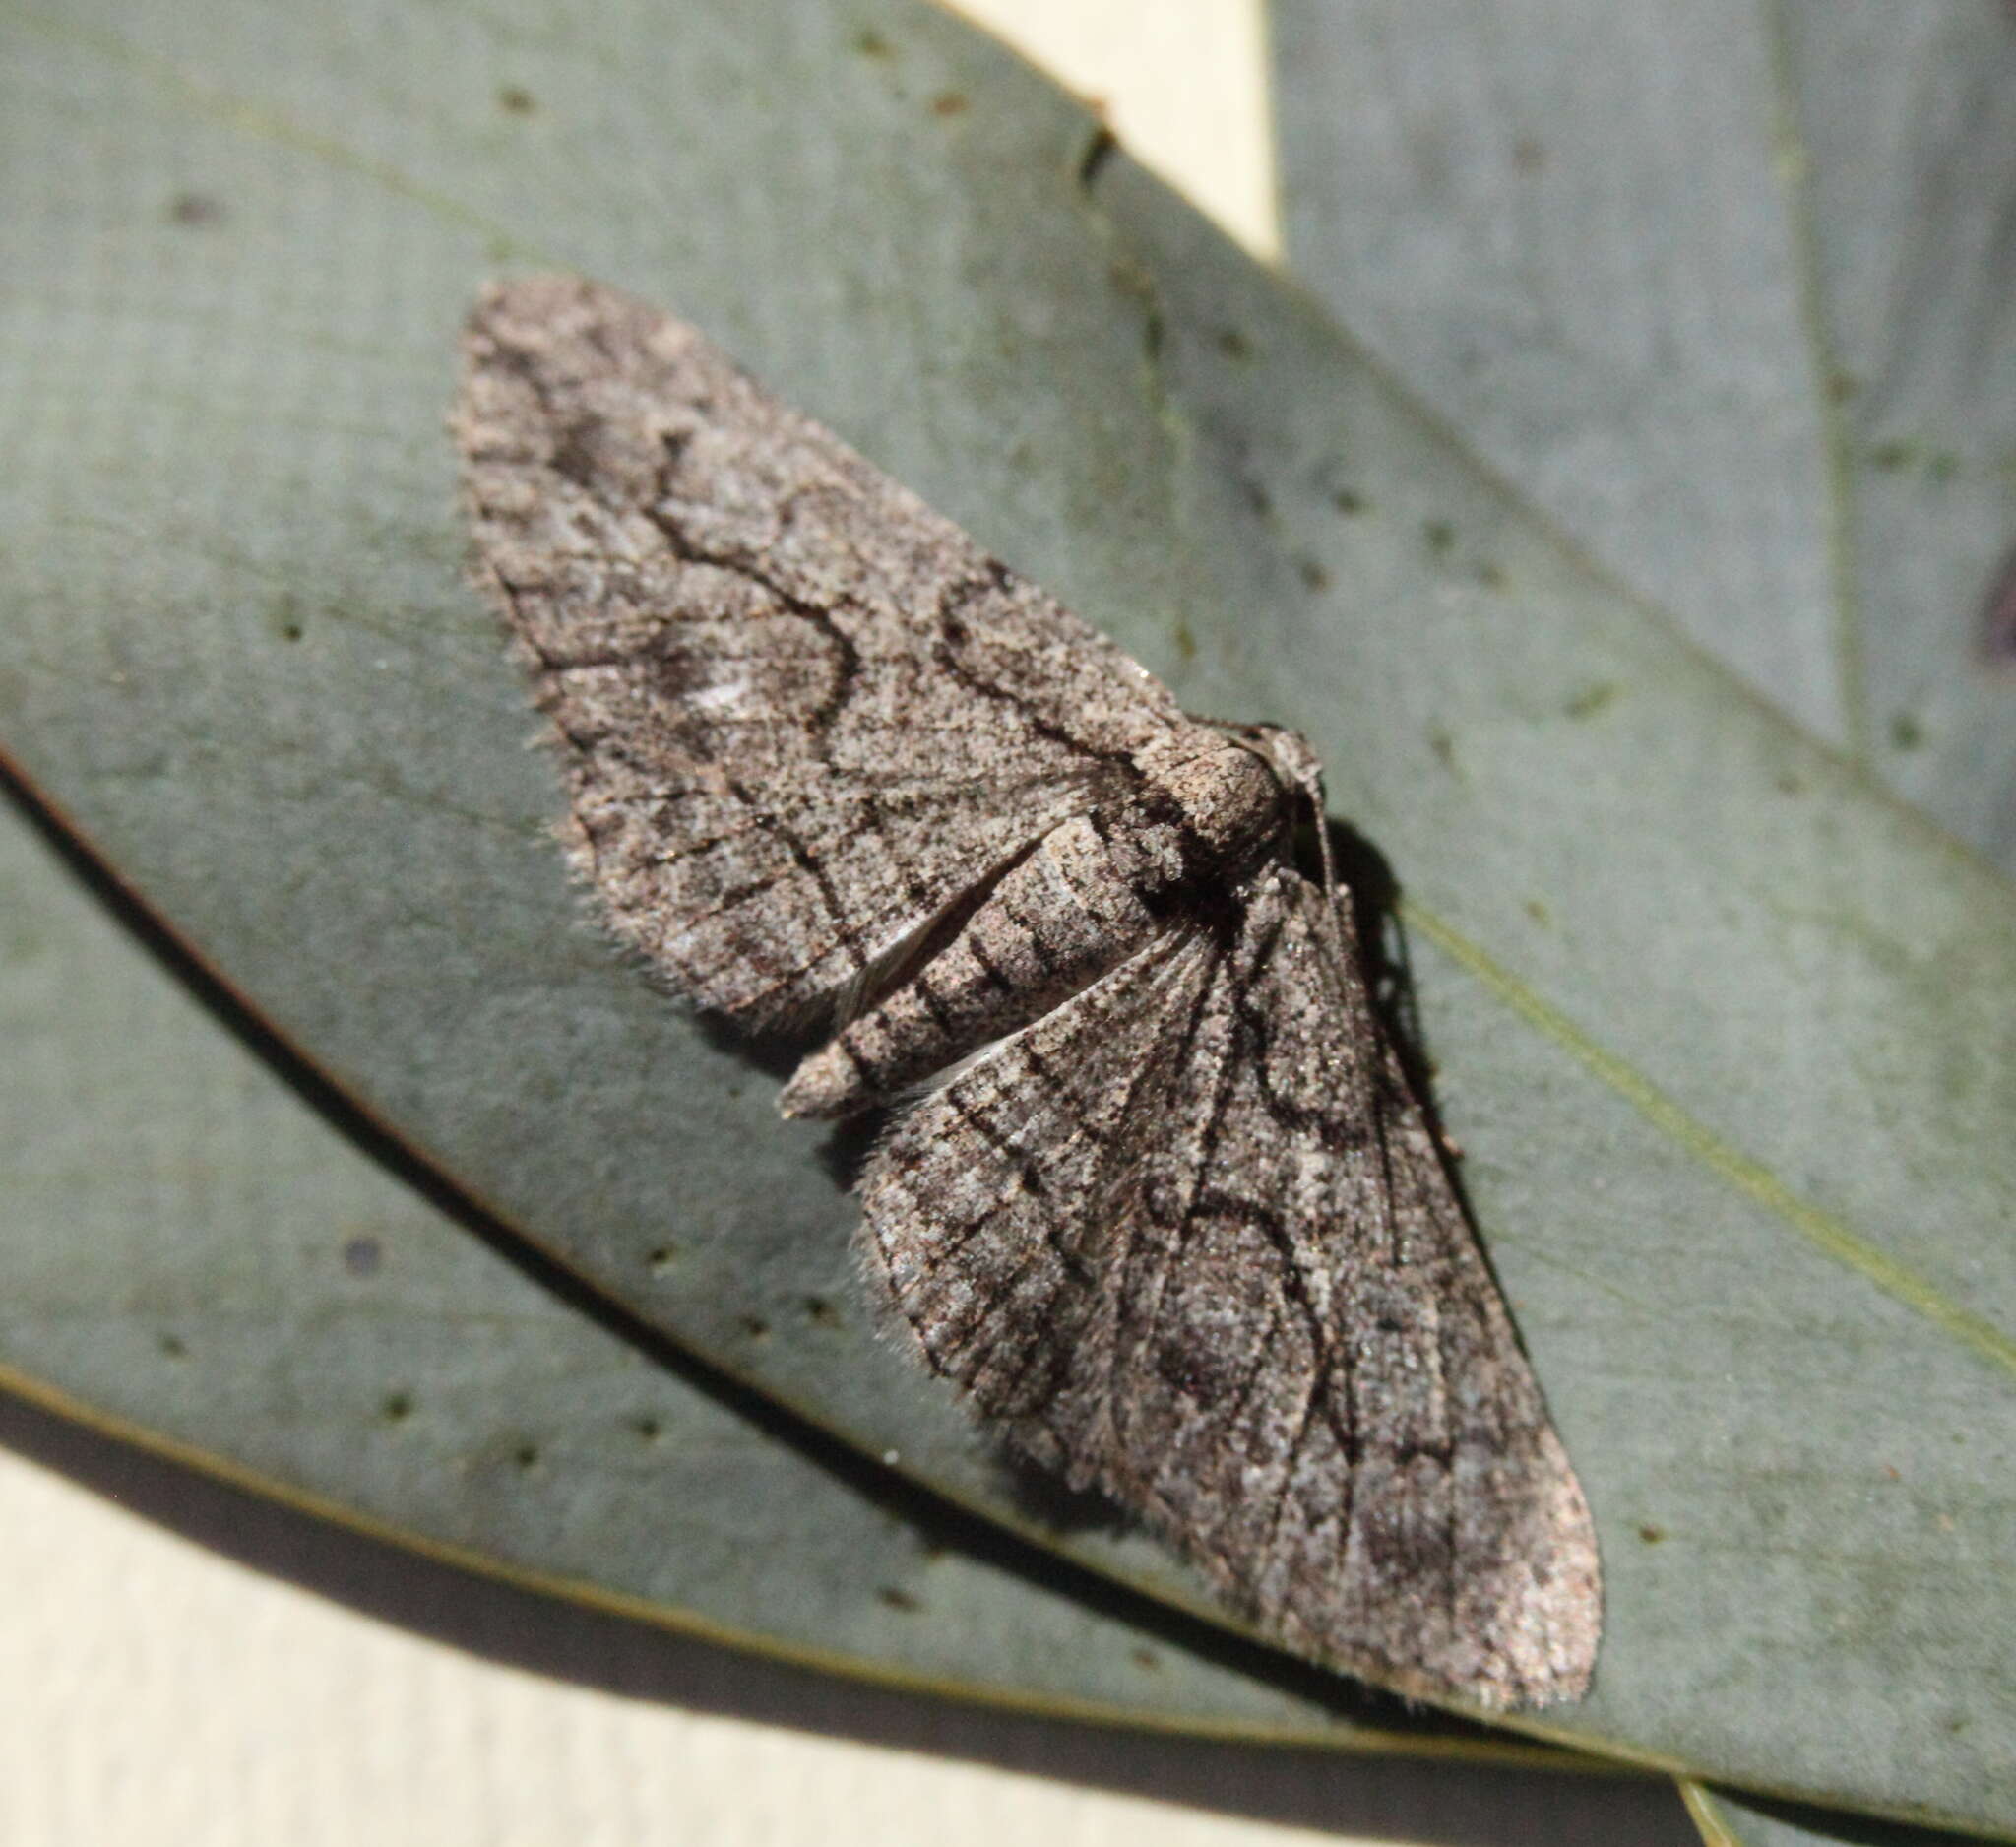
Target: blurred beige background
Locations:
point(155, 1688)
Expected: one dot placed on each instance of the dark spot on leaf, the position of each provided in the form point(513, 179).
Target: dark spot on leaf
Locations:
point(361, 1256)
point(648, 1427)
point(1444, 747)
point(1842, 386)
point(175, 1347)
point(1440, 537)
point(1906, 732)
point(287, 618)
point(1651, 1534)
point(1184, 642)
point(22, 945)
point(1257, 497)
point(1790, 782)
point(948, 103)
point(1348, 503)
point(1098, 150)
point(662, 1258)
point(1538, 912)
point(1529, 155)
point(821, 1313)
point(1313, 575)
point(873, 46)
point(1593, 698)
point(898, 1599)
point(1492, 576)
point(516, 100)
point(1131, 278)
point(526, 1455)
point(396, 1408)
point(194, 207)
point(1942, 467)
point(1891, 456)
point(755, 1327)
point(1998, 617)
point(1145, 1658)
point(1234, 344)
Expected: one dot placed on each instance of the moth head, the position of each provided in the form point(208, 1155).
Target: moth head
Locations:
point(1297, 769)
point(1289, 754)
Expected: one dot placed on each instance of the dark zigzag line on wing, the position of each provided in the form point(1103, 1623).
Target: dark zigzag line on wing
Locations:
point(807, 861)
point(848, 673)
point(847, 656)
point(1327, 1355)
point(1391, 1111)
point(1157, 802)
point(1338, 1134)
point(1264, 1218)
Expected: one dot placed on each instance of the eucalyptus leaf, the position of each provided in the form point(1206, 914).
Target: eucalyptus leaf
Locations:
point(194, 1259)
point(1728, 288)
point(1709, 1014)
point(195, 1262)
point(1727, 1820)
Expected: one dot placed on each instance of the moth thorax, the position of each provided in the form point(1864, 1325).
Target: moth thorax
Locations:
point(1232, 806)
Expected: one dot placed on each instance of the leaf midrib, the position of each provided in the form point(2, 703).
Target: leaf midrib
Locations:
point(1794, 158)
point(1828, 1234)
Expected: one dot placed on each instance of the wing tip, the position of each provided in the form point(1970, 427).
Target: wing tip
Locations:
point(1533, 1626)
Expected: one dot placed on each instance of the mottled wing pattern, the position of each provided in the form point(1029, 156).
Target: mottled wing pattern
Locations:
point(800, 712)
point(1188, 1236)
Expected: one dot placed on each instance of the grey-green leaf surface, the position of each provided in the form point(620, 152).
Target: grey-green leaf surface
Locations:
point(191, 1256)
point(1730, 1820)
point(1709, 1012)
point(1728, 288)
